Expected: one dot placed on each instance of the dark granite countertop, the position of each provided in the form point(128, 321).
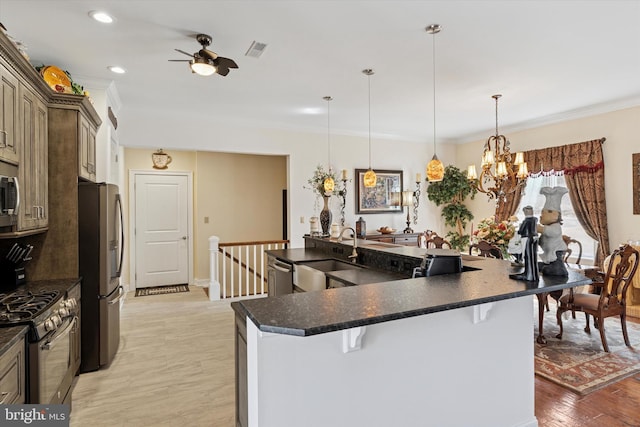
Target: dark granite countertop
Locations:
point(298, 255)
point(312, 313)
point(9, 336)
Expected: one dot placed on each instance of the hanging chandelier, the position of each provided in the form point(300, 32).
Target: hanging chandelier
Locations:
point(329, 184)
point(501, 173)
point(369, 178)
point(435, 168)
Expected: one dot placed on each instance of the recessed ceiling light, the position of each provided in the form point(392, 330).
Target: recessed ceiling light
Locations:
point(116, 69)
point(99, 16)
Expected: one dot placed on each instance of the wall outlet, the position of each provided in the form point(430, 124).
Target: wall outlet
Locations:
point(301, 220)
point(206, 220)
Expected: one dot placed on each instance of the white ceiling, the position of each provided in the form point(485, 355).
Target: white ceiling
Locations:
point(550, 60)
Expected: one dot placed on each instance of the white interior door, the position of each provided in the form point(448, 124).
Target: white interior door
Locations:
point(161, 230)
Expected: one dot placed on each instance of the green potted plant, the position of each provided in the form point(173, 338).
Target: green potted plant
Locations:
point(451, 193)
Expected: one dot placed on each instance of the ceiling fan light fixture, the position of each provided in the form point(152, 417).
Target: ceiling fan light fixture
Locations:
point(202, 66)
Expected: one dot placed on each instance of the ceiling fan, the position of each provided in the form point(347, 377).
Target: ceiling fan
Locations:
point(206, 62)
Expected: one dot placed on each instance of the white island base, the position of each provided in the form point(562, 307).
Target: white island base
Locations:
point(470, 367)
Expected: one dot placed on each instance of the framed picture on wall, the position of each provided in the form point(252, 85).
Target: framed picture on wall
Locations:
point(384, 197)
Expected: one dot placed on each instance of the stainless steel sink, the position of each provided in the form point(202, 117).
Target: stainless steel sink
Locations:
point(309, 276)
point(332, 265)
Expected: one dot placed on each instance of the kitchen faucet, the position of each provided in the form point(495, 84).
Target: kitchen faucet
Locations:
point(354, 253)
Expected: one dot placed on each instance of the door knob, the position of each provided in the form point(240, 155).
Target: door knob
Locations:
point(184, 237)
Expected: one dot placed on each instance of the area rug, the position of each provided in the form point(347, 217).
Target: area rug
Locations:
point(577, 361)
point(159, 290)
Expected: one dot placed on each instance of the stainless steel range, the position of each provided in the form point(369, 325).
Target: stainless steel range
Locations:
point(53, 339)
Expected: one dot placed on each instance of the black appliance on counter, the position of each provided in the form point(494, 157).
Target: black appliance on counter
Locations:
point(101, 243)
point(50, 309)
point(439, 261)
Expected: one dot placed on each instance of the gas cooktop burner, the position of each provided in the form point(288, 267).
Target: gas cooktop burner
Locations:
point(19, 306)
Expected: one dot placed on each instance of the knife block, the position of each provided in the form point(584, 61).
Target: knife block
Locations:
point(12, 275)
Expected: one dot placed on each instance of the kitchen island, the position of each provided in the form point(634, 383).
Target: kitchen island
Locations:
point(450, 350)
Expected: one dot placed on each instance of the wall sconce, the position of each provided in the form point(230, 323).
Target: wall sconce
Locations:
point(343, 195)
point(416, 199)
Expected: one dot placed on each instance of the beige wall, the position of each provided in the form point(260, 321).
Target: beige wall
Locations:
point(241, 194)
point(221, 192)
point(622, 130)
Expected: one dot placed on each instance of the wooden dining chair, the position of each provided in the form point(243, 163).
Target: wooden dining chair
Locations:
point(570, 241)
point(436, 241)
point(612, 300)
point(486, 249)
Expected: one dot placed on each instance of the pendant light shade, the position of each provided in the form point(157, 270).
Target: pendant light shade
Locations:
point(435, 168)
point(329, 184)
point(370, 176)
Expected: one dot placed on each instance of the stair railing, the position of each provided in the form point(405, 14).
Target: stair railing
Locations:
point(238, 269)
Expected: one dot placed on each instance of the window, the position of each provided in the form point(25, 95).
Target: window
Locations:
point(570, 225)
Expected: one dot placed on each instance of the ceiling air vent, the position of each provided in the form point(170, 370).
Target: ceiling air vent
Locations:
point(256, 49)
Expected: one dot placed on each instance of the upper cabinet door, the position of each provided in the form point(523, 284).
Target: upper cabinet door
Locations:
point(8, 116)
point(87, 149)
point(33, 171)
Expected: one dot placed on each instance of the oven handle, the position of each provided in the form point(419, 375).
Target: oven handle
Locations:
point(49, 345)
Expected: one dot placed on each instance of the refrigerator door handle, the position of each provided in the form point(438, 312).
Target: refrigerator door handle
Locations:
point(119, 202)
point(120, 295)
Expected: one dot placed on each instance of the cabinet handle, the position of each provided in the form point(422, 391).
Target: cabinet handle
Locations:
point(3, 139)
point(5, 395)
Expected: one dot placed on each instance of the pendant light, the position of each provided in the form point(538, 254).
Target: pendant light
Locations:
point(435, 168)
point(329, 184)
point(370, 176)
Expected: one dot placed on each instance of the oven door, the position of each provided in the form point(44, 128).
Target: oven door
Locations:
point(53, 363)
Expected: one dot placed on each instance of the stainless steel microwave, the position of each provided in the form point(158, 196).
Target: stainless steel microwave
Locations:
point(9, 200)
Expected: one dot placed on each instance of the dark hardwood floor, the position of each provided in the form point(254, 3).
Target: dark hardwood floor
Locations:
point(616, 405)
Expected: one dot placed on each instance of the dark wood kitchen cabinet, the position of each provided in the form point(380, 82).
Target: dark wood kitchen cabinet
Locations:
point(87, 149)
point(70, 117)
point(32, 172)
point(12, 372)
point(73, 124)
point(24, 136)
point(8, 114)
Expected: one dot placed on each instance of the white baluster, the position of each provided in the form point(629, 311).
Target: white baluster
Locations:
point(214, 284)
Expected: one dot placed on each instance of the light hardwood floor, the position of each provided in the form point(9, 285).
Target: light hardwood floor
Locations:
point(174, 367)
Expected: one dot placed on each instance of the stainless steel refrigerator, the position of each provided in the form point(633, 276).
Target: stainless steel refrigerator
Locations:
point(101, 243)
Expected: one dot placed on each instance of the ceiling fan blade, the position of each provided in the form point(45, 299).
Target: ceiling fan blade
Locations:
point(225, 62)
point(223, 71)
point(179, 60)
point(206, 53)
point(182, 51)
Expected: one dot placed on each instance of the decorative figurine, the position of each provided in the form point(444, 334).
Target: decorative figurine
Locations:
point(529, 244)
point(550, 228)
point(515, 248)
